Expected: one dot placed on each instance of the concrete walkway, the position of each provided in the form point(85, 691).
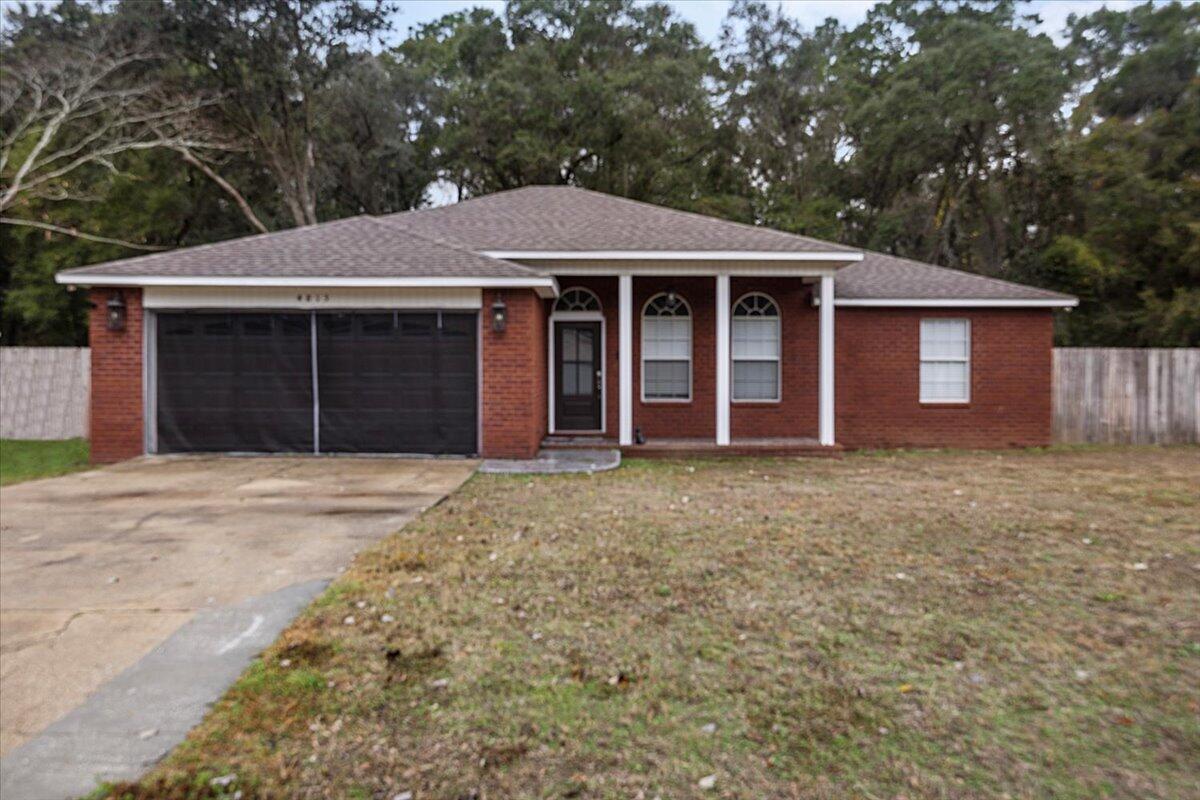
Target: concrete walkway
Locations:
point(131, 597)
point(554, 462)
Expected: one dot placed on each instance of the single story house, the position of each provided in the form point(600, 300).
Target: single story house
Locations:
point(556, 316)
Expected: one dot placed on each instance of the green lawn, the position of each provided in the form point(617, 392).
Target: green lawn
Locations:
point(917, 625)
point(27, 459)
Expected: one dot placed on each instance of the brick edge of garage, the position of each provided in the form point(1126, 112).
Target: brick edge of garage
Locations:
point(513, 403)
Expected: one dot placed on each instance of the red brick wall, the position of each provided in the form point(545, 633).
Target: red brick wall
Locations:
point(877, 382)
point(696, 418)
point(514, 376)
point(796, 412)
point(117, 424)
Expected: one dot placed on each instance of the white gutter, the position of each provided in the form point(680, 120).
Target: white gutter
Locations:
point(953, 303)
point(545, 286)
point(670, 255)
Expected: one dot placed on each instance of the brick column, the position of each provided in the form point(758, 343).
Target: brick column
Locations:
point(117, 421)
point(514, 408)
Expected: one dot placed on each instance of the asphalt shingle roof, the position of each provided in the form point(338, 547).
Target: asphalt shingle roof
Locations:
point(551, 218)
point(883, 277)
point(357, 247)
point(448, 242)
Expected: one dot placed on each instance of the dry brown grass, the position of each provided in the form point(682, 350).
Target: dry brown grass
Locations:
point(924, 625)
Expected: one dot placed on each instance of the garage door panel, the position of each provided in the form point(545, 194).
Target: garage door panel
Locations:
point(383, 387)
point(234, 382)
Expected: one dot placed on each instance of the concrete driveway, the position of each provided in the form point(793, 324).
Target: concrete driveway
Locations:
point(161, 569)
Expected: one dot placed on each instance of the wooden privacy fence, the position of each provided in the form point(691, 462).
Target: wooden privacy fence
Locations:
point(44, 392)
point(1123, 395)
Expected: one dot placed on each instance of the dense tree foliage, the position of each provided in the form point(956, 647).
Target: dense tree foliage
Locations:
point(950, 131)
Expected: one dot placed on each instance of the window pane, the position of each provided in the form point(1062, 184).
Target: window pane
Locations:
point(755, 337)
point(666, 379)
point(570, 382)
point(944, 339)
point(583, 381)
point(585, 346)
point(666, 338)
point(755, 380)
point(944, 380)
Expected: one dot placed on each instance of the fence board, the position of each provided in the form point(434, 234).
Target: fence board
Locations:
point(44, 392)
point(1122, 395)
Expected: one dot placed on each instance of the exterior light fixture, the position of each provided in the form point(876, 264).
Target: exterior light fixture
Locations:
point(672, 297)
point(499, 314)
point(116, 312)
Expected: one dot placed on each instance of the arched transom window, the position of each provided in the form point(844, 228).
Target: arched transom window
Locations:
point(756, 348)
point(577, 299)
point(666, 349)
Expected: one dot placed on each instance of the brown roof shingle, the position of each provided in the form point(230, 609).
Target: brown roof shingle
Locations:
point(882, 277)
point(552, 218)
point(356, 247)
point(448, 241)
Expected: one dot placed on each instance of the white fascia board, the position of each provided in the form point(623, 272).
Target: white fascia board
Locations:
point(950, 303)
point(546, 286)
point(671, 255)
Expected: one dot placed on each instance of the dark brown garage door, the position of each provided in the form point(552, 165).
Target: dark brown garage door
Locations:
point(386, 382)
point(397, 382)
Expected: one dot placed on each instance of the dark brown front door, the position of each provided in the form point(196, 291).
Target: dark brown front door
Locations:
point(577, 376)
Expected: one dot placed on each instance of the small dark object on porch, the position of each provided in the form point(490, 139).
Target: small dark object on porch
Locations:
point(638, 437)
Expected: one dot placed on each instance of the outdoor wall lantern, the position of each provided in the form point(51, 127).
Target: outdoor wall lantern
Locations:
point(116, 312)
point(672, 297)
point(499, 314)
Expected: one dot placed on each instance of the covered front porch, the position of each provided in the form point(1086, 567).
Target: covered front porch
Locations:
point(667, 359)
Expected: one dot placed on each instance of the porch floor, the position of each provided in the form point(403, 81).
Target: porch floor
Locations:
point(683, 448)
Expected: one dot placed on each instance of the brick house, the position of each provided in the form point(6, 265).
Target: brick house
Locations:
point(555, 316)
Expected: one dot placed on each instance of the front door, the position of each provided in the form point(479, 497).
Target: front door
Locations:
point(578, 376)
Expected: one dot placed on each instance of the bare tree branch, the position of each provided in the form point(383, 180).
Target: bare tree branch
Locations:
point(228, 187)
point(91, 237)
point(66, 110)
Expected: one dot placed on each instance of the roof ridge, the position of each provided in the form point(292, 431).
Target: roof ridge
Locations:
point(466, 200)
point(448, 245)
point(698, 215)
point(760, 229)
point(976, 275)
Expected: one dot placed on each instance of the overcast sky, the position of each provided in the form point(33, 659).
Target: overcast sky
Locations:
point(707, 15)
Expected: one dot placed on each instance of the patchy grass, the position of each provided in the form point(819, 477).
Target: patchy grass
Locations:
point(919, 625)
point(27, 459)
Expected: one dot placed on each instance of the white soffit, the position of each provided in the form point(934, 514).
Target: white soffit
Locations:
point(308, 297)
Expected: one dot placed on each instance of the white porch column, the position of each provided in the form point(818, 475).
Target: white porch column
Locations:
point(625, 357)
point(825, 404)
point(722, 359)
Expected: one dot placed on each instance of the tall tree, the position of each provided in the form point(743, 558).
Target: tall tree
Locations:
point(1128, 240)
point(273, 61)
point(950, 107)
point(784, 100)
point(612, 95)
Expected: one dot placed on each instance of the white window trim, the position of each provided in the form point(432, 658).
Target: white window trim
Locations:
point(642, 353)
point(944, 401)
point(551, 340)
point(777, 359)
point(599, 309)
